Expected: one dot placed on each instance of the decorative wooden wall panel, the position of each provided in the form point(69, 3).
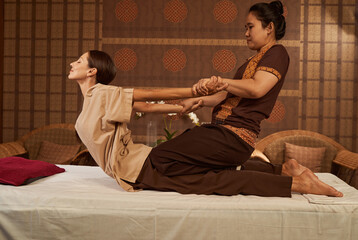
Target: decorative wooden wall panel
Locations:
point(41, 39)
point(174, 43)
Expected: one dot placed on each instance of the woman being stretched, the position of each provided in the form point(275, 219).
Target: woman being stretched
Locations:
point(107, 109)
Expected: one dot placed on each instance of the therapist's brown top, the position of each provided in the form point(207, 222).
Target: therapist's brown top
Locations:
point(102, 127)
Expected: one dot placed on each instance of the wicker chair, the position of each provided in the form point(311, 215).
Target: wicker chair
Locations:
point(29, 145)
point(338, 160)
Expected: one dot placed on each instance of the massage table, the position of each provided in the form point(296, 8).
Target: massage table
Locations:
point(84, 203)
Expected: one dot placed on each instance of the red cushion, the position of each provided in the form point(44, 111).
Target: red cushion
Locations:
point(16, 170)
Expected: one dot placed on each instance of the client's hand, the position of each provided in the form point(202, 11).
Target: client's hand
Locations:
point(208, 86)
point(191, 105)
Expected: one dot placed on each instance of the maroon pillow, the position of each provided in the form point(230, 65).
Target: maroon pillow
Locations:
point(17, 170)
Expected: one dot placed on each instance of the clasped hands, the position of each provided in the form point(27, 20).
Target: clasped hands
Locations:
point(209, 86)
point(205, 86)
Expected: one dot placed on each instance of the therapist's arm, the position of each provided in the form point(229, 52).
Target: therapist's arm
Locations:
point(256, 87)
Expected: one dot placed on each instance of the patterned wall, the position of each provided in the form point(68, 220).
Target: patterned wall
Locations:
point(41, 39)
point(328, 100)
point(174, 43)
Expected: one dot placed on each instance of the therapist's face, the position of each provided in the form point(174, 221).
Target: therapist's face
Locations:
point(256, 35)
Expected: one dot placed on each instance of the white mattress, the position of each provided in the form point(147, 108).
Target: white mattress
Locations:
point(84, 203)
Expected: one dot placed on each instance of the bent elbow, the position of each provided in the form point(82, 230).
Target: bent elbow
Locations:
point(256, 93)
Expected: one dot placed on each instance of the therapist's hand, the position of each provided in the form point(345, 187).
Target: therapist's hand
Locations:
point(208, 86)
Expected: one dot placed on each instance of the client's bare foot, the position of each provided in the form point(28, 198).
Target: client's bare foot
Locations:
point(292, 168)
point(308, 183)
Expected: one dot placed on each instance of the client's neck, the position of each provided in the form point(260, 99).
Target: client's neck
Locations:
point(86, 84)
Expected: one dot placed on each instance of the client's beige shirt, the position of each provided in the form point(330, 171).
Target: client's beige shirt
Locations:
point(102, 127)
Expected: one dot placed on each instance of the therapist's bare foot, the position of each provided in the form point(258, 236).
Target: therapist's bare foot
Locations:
point(292, 168)
point(308, 183)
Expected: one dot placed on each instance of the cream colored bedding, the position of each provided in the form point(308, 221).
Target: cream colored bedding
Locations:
point(84, 203)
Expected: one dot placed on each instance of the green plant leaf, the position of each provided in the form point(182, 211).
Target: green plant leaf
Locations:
point(171, 135)
point(166, 131)
point(159, 141)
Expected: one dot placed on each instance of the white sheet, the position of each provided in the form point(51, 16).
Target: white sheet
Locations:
point(84, 203)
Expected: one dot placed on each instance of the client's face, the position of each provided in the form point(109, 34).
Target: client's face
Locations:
point(79, 68)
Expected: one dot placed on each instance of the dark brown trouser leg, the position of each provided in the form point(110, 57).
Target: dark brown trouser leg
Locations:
point(222, 182)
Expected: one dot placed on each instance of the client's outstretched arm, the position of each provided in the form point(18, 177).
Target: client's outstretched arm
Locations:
point(162, 94)
point(156, 108)
point(193, 104)
point(212, 87)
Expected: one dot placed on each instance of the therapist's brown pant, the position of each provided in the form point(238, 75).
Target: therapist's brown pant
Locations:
point(203, 160)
